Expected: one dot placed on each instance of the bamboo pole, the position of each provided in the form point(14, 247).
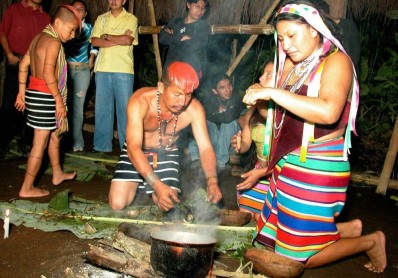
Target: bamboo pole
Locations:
point(131, 6)
point(389, 161)
point(252, 39)
point(155, 39)
point(134, 221)
point(260, 29)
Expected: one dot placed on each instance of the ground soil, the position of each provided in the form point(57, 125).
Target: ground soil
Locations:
point(33, 253)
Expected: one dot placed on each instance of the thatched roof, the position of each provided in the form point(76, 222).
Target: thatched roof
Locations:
point(223, 12)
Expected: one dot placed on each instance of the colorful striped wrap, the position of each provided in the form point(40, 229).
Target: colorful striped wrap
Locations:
point(303, 200)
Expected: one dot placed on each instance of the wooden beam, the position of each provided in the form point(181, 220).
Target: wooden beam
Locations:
point(259, 29)
point(389, 161)
point(252, 39)
point(155, 39)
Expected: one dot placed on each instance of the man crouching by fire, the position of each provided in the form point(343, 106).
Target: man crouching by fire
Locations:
point(150, 158)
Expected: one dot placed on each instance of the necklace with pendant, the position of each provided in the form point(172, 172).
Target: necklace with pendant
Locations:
point(162, 125)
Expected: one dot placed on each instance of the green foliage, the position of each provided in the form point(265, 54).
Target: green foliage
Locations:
point(378, 80)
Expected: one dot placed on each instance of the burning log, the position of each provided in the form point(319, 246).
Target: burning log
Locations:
point(126, 255)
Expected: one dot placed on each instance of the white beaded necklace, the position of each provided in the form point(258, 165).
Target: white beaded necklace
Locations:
point(162, 126)
point(302, 70)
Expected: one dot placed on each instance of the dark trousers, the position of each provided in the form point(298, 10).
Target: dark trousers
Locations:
point(12, 122)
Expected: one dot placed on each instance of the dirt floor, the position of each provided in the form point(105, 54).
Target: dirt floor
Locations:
point(34, 253)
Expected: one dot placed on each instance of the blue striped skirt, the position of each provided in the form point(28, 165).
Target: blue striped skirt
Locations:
point(303, 200)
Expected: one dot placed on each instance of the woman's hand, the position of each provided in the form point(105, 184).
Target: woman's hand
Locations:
point(251, 178)
point(20, 102)
point(256, 92)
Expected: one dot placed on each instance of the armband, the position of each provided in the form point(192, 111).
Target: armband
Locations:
point(151, 179)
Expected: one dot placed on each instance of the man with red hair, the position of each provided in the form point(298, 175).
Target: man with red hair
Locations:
point(150, 158)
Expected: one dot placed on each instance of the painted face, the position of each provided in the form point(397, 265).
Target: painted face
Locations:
point(266, 78)
point(196, 10)
point(81, 10)
point(66, 30)
point(175, 99)
point(297, 40)
point(224, 89)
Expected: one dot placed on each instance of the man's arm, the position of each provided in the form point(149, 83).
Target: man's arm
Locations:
point(137, 108)
point(12, 59)
point(206, 152)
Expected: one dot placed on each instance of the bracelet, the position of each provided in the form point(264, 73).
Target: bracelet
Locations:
point(23, 70)
point(55, 95)
point(151, 179)
point(211, 178)
point(22, 82)
point(51, 82)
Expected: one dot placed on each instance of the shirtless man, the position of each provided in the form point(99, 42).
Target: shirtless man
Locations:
point(149, 159)
point(44, 97)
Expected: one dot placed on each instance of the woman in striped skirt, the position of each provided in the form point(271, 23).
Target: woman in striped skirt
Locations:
point(311, 113)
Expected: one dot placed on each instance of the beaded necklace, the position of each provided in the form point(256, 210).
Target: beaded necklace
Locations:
point(162, 126)
point(302, 70)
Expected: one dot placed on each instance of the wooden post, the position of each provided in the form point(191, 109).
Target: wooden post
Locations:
point(155, 39)
point(389, 161)
point(131, 6)
point(252, 39)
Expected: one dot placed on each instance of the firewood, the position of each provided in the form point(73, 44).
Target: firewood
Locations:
point(122, 262)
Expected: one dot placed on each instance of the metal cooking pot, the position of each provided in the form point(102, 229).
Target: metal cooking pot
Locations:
point(181, 254)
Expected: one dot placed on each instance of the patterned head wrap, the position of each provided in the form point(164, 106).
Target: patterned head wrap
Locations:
point(312, 16)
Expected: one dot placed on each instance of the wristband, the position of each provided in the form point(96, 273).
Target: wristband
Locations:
point(151, 179)
point(211, 178)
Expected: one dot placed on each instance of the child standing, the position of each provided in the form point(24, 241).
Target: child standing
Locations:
point(45, 97)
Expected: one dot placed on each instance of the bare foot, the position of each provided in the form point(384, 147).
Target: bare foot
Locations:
point(377, 255)
point(33, 193)
point(351, 228)
point(64, 177)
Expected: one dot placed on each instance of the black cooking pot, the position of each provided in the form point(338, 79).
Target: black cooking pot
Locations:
point(181, 254)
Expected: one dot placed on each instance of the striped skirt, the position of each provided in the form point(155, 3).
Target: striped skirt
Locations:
point(40, 109)
point(253, 199)
point(303, 200)
point(167, 164)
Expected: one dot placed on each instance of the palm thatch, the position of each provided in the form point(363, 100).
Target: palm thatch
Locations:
point(222, 12)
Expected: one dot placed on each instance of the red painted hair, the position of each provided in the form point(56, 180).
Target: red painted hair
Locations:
point(182, 75)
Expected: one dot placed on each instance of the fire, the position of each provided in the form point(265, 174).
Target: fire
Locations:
point(177, 250)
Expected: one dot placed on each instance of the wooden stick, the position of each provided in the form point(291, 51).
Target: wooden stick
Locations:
point(259, 29)
point(252, 39)
point(389, 161)
point(155, 39)
point(139, 221)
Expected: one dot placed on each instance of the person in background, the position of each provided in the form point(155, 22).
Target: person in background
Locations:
point(313, 109)
point(115, 33)
point(254, 186)
point(187, 37)
point(223, 108)
point(20, 23)
point(44, 98)
point(150, 157)
point(80, 57)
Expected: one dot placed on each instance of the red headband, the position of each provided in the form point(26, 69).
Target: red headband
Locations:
point(75, 12)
